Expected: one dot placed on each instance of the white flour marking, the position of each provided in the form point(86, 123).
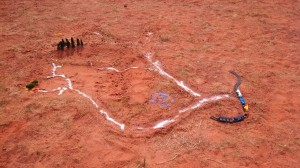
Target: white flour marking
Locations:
point(164, 123)
point(149, 34)
point(157, 67)
point(43, 91)
point(70, 86)
point(88, 97)
point(122, 126)
point(116, 70)
point(203, 101)
point(97, 33)
point(61, 90)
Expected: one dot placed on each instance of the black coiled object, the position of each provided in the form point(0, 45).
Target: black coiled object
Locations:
point(238, 118)
point(229, 119)
point(61, 45)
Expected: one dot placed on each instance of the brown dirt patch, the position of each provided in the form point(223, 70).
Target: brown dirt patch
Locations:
point(196, 41)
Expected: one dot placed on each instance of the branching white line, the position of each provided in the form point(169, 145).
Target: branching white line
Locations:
point(157, 68)
point(70, 86)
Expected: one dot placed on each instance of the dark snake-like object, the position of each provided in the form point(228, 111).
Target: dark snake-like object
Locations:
point(239, 95)
point(238, 82)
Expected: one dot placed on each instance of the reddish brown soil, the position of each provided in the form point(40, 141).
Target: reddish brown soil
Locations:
point(196, 41)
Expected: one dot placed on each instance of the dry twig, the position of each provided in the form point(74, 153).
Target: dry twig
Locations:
point(168, 160)
point(214, 160)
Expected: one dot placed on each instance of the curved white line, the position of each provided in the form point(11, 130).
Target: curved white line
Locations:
point(70, 86)
point(163, 123)
point(198, 104)
point(116, 70)
point(203, 101)
point(158, 68)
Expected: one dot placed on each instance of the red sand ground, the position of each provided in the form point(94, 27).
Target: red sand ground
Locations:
point(197, 42)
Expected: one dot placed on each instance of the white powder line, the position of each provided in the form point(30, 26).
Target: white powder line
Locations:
point(198, 104)
point(163, 123)
point(203, 101)
point(70, 86)
point(122, 126)
point(54, 72)
point(69, 83)
point(116, 70)
point(158, 68)
point(61, 90)
point(43, 91)
point(88, 97)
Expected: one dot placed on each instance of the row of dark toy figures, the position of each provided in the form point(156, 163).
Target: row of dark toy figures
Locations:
point(62, 44)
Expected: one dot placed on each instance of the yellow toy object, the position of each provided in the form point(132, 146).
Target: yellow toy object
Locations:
point(242, 101)
point(57, 34)
point(246, 107)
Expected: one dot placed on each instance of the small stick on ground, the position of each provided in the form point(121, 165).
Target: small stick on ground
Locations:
point(142, 165)
point(168, 160)
point(215, 160)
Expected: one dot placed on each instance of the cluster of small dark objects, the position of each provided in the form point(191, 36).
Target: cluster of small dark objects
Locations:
point(62, 44)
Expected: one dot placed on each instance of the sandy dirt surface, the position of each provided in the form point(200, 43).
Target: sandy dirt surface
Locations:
point(197, 42)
